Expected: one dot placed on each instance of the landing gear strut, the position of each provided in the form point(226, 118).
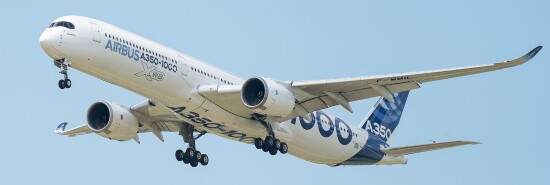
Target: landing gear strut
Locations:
point(270, 143)
point(63, 65)
point(191, 155)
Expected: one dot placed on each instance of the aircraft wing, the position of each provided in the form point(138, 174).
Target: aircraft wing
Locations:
point(320, 94)
point(155, 119)
point(80, 130)
point(399, 151)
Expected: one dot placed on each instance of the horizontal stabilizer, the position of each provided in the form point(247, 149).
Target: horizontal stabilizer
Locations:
point(399, 151)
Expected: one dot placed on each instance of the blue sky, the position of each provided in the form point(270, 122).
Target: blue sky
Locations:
point(287, 40)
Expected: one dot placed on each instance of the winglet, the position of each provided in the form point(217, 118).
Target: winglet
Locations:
point(520, 60)
point(533, 52)
point(60, 128)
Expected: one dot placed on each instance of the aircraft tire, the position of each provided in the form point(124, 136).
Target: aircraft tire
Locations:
point(273, 151)
point(179, 155)
point(265, 148)
point(190, 153)
point(269, 141)
point(204, 159)
point(194, 163)
point(258, 143)
point(277, 144)
point(284, 148)
point(67, 83)
point(61, 84)
point(197, 157)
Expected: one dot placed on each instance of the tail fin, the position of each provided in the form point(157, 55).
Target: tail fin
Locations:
point(384, 116)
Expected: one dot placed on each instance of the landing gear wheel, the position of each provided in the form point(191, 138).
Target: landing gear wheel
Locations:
point(204, 159)
point(61, 84)
point(269, 141)
point(265, 148)
point(179, 155)
point(270, 144)
point(273, 151)
point(284, 148)
point(198, 156)
point(67, 83)
point(277, 144)
point(258, 143)
point(194, 163)
point(190, 153)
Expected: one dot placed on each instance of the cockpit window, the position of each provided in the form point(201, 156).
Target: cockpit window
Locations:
point(63, 23)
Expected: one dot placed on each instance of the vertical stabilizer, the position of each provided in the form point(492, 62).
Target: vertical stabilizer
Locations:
point(384, 116)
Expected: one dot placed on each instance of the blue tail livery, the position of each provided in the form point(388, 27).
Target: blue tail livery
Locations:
point(384, 116)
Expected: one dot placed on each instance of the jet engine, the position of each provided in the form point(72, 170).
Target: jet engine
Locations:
point(112, 121)
point(267, 96)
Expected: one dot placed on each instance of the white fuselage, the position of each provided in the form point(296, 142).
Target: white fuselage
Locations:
point(172, 79)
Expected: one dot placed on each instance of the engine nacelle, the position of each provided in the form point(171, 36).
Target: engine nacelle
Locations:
point(267, 96)
point(112, 121)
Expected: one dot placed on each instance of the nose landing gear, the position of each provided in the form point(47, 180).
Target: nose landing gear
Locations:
point(63, 65)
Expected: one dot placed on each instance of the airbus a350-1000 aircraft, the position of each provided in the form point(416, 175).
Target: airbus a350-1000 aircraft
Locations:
point(192, 98)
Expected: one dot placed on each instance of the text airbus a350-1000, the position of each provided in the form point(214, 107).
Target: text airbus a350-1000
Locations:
point(192, 98)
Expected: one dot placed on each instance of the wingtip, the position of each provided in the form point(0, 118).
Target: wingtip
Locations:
point(60, 128)
point(533, 52)
point(465, 142)
point(473, 142)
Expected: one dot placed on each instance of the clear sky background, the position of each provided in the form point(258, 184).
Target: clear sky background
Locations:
point(505, 110)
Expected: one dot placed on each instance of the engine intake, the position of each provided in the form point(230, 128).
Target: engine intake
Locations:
point(99, 116)
point(267, 96)
point(112, 121)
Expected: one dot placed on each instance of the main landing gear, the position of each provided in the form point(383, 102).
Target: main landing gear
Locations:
point(270, 143)
point(191, 155)
point(63, 65)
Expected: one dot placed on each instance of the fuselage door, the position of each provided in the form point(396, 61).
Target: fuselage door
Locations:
point(182, 65)
point(96, 33)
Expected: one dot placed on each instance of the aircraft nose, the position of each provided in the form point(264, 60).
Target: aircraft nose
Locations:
point(47, 39)
point(50, 41)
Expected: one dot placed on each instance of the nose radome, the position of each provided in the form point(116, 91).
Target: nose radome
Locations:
point(46, 39)
point(50, 43)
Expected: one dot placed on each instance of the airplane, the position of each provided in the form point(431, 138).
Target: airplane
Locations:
point(193, 98)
